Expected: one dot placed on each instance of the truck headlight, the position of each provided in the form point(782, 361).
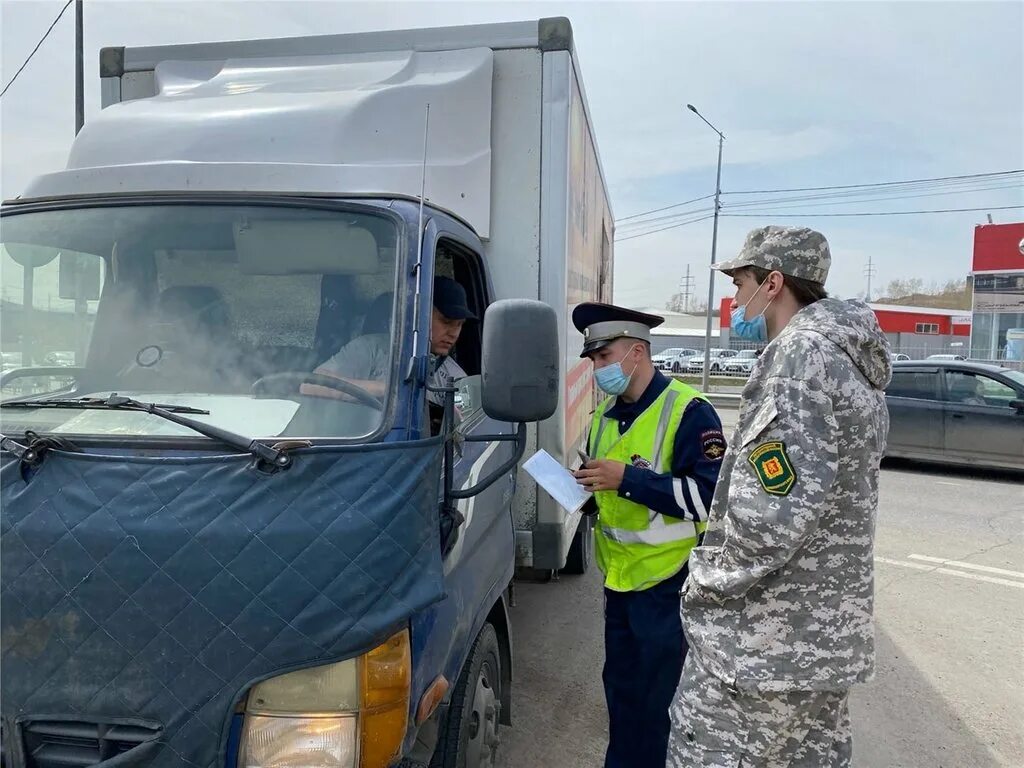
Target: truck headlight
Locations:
point(352, 714)
point(295, 741)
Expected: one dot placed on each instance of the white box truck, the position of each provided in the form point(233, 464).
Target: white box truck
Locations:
point(239, 215)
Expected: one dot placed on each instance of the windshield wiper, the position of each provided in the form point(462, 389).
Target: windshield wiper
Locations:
point(115, 402)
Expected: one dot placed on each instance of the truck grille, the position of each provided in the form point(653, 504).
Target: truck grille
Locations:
point(66, 743)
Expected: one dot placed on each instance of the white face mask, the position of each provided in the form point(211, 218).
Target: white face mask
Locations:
point(612, 379)
point(753, 328)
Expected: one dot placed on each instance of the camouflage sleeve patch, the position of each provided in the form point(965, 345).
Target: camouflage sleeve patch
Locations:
point(773, 468)
point(712, 444)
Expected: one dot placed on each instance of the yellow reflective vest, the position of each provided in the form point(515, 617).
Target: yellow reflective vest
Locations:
point(637, 547)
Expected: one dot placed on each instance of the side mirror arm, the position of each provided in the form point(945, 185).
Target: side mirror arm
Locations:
point(451, 518)
point(519, 438)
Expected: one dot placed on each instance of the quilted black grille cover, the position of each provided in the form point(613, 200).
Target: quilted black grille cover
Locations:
point(160, 588)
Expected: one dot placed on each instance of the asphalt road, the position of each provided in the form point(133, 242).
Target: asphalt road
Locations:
point(950, 638)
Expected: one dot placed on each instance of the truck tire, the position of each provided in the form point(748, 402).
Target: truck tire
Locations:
point(581, 551)
point(469, 736)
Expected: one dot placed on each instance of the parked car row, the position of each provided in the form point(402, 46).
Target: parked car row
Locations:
point(12, 360)
point(682, 360)
point(675, 360)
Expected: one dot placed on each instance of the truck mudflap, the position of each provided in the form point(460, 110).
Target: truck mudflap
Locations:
point(142, 596)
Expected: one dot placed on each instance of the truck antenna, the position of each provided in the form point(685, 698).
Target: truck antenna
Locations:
point(423, 184)
point(419, 242)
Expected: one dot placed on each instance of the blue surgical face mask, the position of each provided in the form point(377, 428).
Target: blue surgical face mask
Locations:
point(612, 379)
point(752, 329)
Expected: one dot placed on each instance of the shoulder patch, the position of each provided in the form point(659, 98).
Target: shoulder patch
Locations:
point(712, 444)
point(773, 468)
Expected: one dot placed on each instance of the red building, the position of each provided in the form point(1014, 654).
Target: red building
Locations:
point(998, 274)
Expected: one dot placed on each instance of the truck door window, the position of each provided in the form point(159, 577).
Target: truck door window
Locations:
point(459, 262)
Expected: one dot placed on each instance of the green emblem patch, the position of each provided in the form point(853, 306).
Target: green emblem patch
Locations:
point(773, 469)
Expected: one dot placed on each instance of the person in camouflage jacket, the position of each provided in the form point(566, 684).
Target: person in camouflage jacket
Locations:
point(778, 606)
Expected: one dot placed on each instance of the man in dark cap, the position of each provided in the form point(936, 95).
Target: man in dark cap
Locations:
point(656, 446)
point(778, 605)
point(365, 360)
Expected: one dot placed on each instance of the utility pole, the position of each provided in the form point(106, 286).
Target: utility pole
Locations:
point(79, 70)
point(869, 272)
point(686, 289)
point(714, 250)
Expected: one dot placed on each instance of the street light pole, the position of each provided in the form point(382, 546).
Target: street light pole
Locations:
point(714, 250)
point(79, 71)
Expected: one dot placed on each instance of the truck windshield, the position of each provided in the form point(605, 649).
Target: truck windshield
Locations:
point(275, 319)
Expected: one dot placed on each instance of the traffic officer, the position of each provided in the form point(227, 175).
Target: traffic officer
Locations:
point(656, 446)
point(778, 605)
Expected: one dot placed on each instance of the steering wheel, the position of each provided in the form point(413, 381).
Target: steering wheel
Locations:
point(265, 385)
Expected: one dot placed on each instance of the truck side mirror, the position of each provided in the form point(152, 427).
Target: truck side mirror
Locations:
point(520, 361)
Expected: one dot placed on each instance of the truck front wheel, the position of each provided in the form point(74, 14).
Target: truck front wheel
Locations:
point(469, 737)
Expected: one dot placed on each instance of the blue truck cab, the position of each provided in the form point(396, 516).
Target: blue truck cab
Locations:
point(213, 552)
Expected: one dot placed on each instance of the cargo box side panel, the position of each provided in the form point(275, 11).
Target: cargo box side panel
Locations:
point(577, 230)
point(513, 251)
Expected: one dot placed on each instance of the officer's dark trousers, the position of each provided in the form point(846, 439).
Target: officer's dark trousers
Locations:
point(644, 653)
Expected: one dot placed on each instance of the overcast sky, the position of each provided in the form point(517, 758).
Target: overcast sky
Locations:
point(807, 94)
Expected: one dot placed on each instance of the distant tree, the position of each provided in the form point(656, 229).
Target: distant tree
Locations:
point(676, 303)
point(950, 294)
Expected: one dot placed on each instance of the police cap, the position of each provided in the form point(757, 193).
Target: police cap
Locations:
point(601, 324)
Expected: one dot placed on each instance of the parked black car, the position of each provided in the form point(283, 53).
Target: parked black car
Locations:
point(958, 412)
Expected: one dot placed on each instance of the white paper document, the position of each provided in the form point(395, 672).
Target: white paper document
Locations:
point(556, 480)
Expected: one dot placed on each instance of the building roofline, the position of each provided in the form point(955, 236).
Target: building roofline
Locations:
point(912, 310)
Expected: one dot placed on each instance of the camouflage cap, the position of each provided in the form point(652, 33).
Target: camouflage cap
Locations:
point(794, 251)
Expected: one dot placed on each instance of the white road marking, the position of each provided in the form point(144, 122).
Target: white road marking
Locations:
point(946, 482)
point(968, 566)
point(951, 572)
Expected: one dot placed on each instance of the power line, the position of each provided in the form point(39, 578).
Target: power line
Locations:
point(965, 187)
point(868, 213)
point(849, 190)
point(783, 203)
point(631, 236)
point(41, 40)
point(667, 207)
point(670, 217)
point(671, 226)
point(875, 184)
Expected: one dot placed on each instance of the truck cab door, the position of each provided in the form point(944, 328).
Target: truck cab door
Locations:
point(480, 564)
